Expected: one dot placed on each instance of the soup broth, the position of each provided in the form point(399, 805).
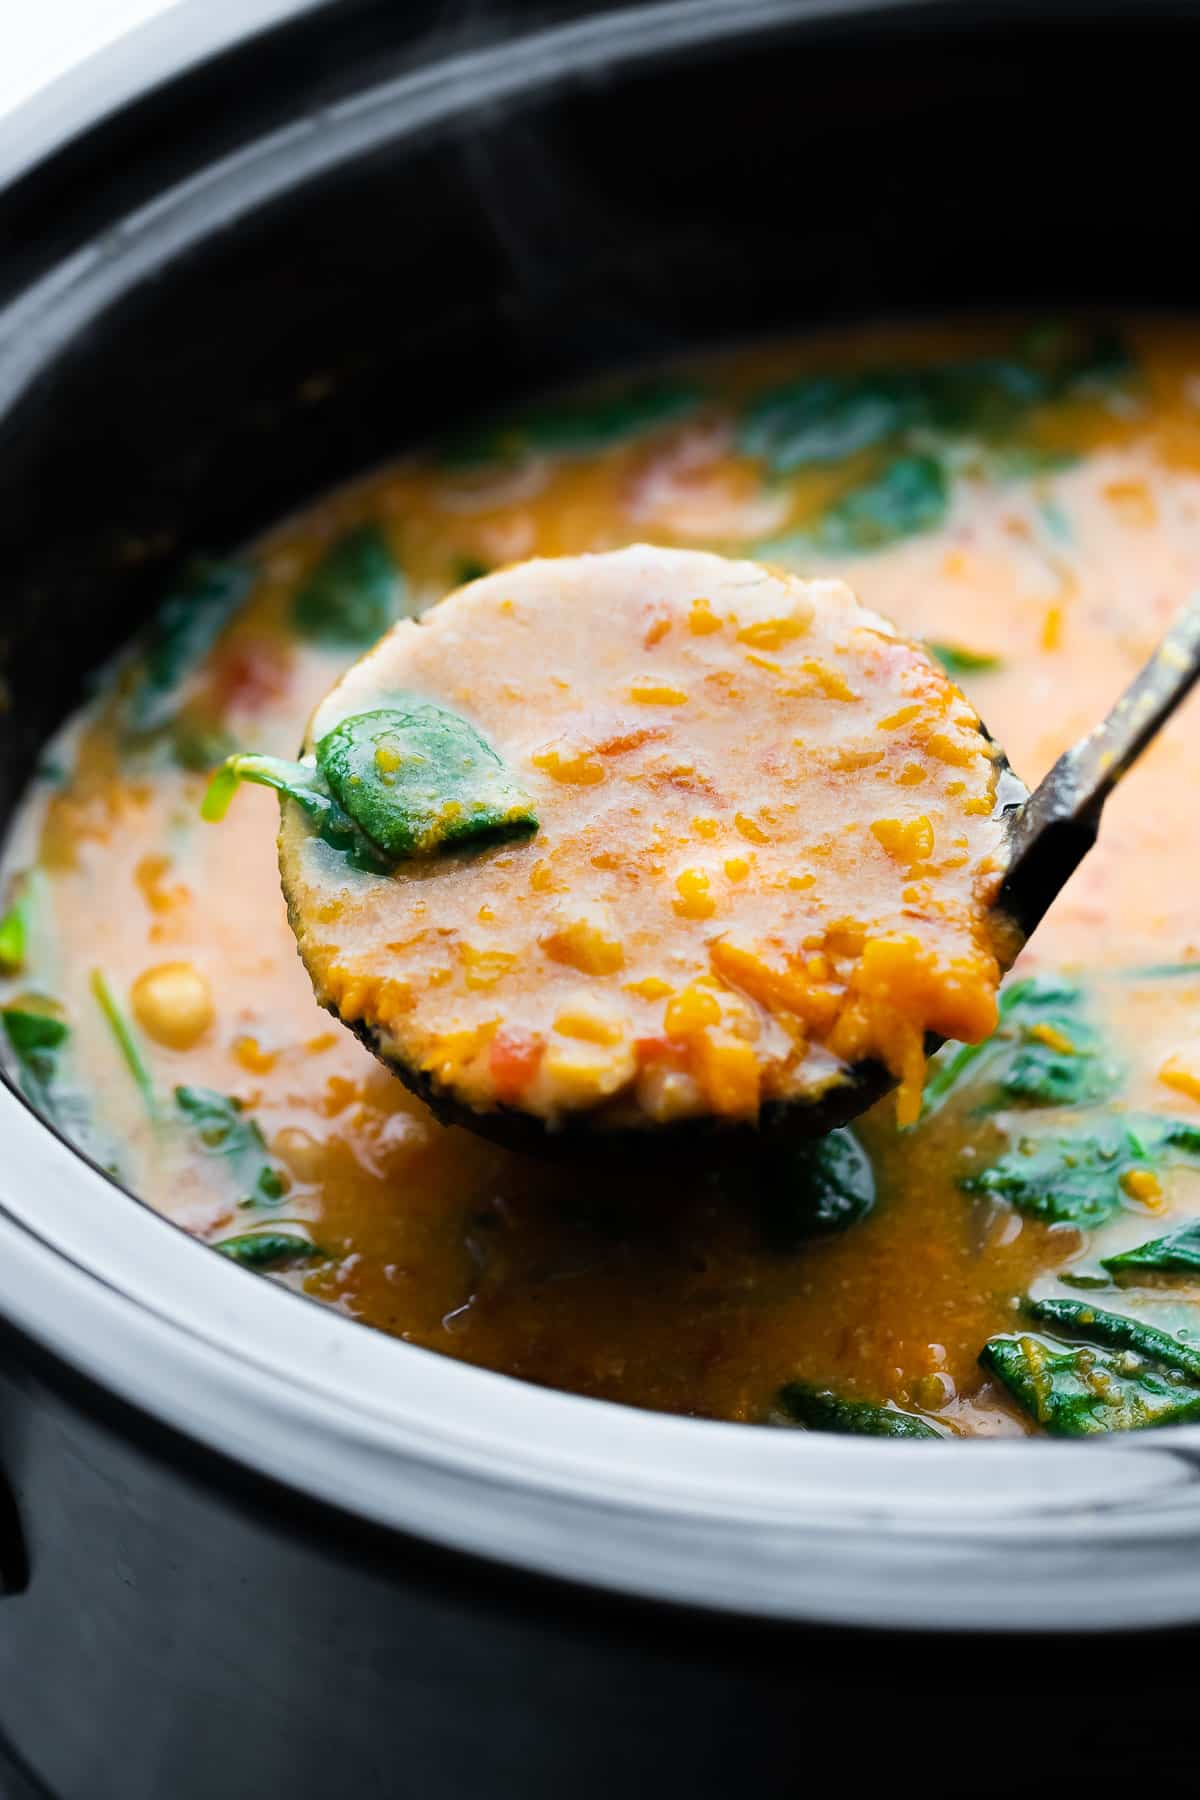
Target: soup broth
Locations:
point(1026, 501)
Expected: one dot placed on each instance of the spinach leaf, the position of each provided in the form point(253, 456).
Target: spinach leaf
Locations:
point(1075, 1177)
point(812, 1191)
point(820, 419)
point(959, 661)
point(267, 1249)
point(187, 626)
point(417, 778)
point(1177, 1253)
point(1122, 1376)
point(37, 1041)
point(572, 427)
point(816, 1409)
point(220, 1127)
point(301, 782)
point(352, 595)
point(41, 1046)
point(823, 418)
point(910, 495)
point(1045, 1051)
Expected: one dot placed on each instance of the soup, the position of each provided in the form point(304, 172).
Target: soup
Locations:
point(1023, 1257)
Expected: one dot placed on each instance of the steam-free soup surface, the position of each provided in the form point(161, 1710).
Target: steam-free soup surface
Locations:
point(1025, 500)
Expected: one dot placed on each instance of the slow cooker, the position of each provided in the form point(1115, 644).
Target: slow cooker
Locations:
point(248, 1547)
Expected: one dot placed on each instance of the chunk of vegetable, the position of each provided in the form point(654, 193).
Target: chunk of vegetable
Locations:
point(220, 1128)
point(1177, 1253)
point(267, 1249)
point(417, 778)
point(1122, 1376)
point(816, 1409)
point(353, 594)
point(1079, 1177)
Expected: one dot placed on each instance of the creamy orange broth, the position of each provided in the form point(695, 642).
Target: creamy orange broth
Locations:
point(667, 1292)
point(710, 918)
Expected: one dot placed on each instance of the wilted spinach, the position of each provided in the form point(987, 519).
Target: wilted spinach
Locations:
point(1112, 1373)
point(1075, 1177)
point(910, 495)
point(353, 594)
point(220, 1128)
point(1177, 1253)
point(264, 1250)
point(416, 778)
point(1045, 1051)
point(186, 627)
point(959, 661)
point(817, 1409)
point(572, 427)
point(811, 1191)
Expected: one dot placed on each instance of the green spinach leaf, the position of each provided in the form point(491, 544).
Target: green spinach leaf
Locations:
point(1075, 1177)
point(37, 1041)
point(812, 1191)
point(304, 784)
point(910, 495)
point(1119, 1376)
point(220, 1128)
point(41, 1047)
point(1177, 1253)
point(417, 778)
point(823, 418)
point(1045, 1051)
point(187, 626)
point(573, 427)
point(265, 1250)
point(352, 595)
point(816, 1409)
point(959, 661)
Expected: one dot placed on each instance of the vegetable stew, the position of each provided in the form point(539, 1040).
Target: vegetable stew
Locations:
point(1022, 1257)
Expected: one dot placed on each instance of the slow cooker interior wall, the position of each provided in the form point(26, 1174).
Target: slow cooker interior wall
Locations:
point(750, 188)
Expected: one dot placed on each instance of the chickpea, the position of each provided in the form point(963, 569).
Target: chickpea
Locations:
point(173, 1004)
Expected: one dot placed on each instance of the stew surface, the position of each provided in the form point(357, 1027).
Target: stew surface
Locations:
point(1026, 501)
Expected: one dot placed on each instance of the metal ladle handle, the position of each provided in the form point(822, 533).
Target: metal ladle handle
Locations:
point(1054, 829)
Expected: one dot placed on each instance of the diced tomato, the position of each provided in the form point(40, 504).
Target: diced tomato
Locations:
point(513, 1061)
point(661, 1050)
point(251, 673)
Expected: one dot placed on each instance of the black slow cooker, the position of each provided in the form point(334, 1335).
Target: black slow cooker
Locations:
point(246, 1546)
